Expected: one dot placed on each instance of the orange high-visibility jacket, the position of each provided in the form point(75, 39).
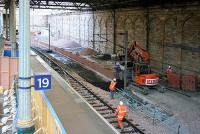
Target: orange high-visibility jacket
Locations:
point(112, 86)
point(121, 112)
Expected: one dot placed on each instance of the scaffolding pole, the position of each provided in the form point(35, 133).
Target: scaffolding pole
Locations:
point(7, 22)
point(12, 27)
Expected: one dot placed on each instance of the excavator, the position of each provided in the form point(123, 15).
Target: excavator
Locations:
point(143, 78)
point(142, 71)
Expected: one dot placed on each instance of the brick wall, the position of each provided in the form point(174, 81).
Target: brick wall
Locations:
point(172, 35)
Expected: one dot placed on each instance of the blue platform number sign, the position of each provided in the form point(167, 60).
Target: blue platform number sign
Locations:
point(42, 82)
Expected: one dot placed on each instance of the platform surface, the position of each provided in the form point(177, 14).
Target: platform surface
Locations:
point(75, 115)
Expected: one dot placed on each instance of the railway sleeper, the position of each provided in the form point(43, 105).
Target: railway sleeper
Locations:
point(110, 117)
point(110, 114)
point(113, 121)
point(92, 102)
point(69, 79)
point(72, 81)
point(102, 109)
point(83, 93)
point(128, 132)
point(86, 94)
point(82, 88)
point(104, 112)
point(98, 105)
point(102, 106)
point(78, 86)
point(90, 98)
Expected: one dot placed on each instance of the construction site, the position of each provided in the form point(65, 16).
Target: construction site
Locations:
point(100, 67)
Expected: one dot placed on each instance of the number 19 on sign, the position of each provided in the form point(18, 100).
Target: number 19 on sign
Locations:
point(42, 82)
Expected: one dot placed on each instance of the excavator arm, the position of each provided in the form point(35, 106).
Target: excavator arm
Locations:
point(141, 54)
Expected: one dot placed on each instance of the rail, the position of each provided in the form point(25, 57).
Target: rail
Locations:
point(98, 103)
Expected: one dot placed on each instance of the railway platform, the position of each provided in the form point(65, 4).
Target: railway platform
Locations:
point(74, 114)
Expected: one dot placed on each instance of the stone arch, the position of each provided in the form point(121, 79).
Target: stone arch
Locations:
point(191, 31)
point(103, 34)
point(171, 33)
point(122, 23)
point(109, 33)
point(64, 26)
point(85, 32)
point(127, 22)
point(73, 27)
point(90, 32)
point(140, 31)
point(191, 38)
point(128, 26)
point(155, 30)
point(102, 24)
point(156, 26)
point(97, 30)
point(69, 27)
point(80, 29)
point(119, 23)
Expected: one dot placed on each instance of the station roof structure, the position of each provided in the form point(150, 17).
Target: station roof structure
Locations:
point(92, 5)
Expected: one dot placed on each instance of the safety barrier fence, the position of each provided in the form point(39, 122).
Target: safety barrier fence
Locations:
point(148, 109)
point(46, 119)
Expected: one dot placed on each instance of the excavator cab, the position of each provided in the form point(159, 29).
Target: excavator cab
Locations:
point(143, 76)
point(141, 68)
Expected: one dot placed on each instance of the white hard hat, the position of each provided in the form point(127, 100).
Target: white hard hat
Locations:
point(114, 79)
point(121, 103)
point(169, 66)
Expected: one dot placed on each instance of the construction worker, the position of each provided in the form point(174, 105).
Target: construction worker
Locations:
point(117, 70)
point(121, 111)
point(112, 88)
point(169, 70)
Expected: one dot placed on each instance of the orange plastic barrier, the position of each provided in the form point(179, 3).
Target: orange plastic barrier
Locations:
point(174, 80)
point(8, 68)
point(189, 82)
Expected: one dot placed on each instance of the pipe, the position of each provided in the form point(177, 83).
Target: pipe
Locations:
point(12, 27)
point(25, 122)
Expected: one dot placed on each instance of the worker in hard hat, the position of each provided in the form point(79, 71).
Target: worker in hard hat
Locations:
point(112, 88)
point(117, 70)
point(169, 70)
point(121, 112)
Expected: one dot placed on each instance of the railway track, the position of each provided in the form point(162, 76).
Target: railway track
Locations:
point(98, 103)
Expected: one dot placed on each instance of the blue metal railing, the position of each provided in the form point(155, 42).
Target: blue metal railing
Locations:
point(63, 131)
point(150, 110)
